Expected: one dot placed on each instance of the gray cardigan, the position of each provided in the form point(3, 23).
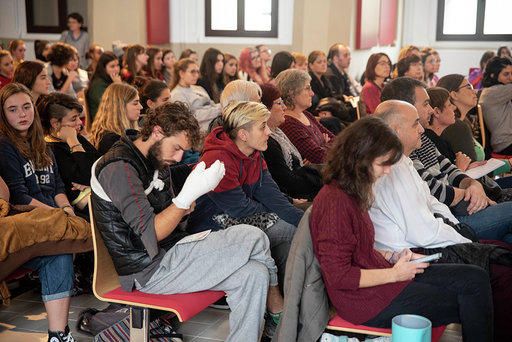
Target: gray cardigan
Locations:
point(306, 305)
point(497, 109)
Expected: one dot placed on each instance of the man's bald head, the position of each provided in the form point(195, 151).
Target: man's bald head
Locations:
point(403, 118)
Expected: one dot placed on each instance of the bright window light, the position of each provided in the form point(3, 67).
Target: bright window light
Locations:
point(224, 15)
point(258, 15)
point(497, 17)
point(460, 16)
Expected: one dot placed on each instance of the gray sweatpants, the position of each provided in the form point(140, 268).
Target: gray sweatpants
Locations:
point(235, 260)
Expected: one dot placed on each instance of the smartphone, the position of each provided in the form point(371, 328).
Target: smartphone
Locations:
point(428, 258)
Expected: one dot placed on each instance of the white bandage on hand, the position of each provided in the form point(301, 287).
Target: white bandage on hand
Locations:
point(200, 181)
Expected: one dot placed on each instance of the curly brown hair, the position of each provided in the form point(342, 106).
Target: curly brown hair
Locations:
point(350, 158)
point(172, 118)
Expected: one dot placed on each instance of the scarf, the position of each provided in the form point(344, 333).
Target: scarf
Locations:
point(289, 150)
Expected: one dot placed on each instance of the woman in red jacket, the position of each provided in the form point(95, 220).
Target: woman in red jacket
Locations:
point(370, 286)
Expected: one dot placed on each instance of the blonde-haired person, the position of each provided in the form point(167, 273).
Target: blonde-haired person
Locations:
point(247, 193)
point(301, 61)
point(184, 89)
point(117, 116)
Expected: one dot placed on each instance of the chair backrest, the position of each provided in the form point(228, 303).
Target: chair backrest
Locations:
point(105, 277)
point(481, 123)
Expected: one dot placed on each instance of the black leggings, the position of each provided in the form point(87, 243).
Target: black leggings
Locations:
point(447, 294)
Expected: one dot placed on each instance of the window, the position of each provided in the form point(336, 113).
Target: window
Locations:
point(49, 16)
point(474, 20)
point(241, 18)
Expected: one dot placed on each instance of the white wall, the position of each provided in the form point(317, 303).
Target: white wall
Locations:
point(419, 28)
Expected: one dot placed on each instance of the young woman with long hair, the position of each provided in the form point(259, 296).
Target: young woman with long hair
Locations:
point(117, 116)
point(135, 58)
point(153, 68)
point(378, 70)
point(168, 59)
point(370, 286)
point(106, 73)
point(34, 76)
point(184, 89)
point(211, 73)
point(6, 68)
point(153, 93)
point(230, 70)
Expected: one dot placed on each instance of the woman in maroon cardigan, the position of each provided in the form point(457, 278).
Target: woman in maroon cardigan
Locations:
point(370, 286)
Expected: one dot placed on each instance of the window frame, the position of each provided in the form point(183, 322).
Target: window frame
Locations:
point(478, 36)
point(240, 32)
point(62, 12)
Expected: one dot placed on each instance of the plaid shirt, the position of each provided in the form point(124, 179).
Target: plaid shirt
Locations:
point(309, 140)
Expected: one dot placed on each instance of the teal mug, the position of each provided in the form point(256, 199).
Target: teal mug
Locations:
point(411, 328)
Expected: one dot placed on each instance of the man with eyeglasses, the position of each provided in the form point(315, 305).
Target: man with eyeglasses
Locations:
point(465, 196)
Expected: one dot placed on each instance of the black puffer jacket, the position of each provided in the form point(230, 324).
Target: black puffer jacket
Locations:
point(123, 243)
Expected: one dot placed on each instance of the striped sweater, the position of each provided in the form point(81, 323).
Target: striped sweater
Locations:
point(437, 170)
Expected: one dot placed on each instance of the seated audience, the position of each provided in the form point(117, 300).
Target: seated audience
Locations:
point(154, 65)
point(496, 103)
point(42, 49)
point(266, 57)
point(339, 61)
point(465, 196)
point(56, 277)
point(405, 215)
point(405, 51)
point(431, 63)
point(250, 66)
point(476, 74)
point(460, 135)
point(411, 67)
point(168, 59)
point(303, 130)
point(378, 69)
point(81, 80)
point(74, 154)
point(210, 70)
point(61, 78)
point(93, 56)
point(117, 116)
point(17, 48)
point(153, 93)
point(240, 90)
point(371, 286)
point(285, 164)
point(106, 72)
point(504, 51)
point(247, 193)
point(230, 69)
point(135, 59)
point(34, 76)
point(189, 53)
point(283, 60)
point(6, 68)
point(184, 89)
point(151, 217)
point(320, 85)
point(77, 37)
point(301, 61)
point(28, 165)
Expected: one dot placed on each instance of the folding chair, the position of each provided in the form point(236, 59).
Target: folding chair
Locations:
point(106, 287)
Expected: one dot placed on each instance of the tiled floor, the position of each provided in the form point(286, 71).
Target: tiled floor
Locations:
point(25, 320)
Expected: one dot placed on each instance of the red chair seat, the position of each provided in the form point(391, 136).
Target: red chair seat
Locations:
point(338, 323)
point(185, 306)
point(500, 156)
point(18, 274)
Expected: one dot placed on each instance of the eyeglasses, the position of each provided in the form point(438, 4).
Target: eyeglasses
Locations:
point(383, 63)
point(194, 72)
point(469, 86)
point(253, 57)
point(279, 102)
point(308, 87)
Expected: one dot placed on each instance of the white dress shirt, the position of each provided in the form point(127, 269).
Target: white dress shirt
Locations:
point(403, 212)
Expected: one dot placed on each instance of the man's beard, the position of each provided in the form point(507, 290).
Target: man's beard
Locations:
point(154, 156)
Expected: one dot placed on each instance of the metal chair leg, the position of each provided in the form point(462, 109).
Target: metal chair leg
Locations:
point(139, 324)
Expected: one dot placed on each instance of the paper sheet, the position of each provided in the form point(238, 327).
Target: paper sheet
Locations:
point(480, 171)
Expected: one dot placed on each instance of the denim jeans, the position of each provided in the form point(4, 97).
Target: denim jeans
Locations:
point(491, 223)
point(280, 235)
point(55, 275)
